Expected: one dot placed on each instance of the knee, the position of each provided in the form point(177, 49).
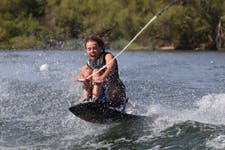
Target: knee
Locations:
point(86, 71)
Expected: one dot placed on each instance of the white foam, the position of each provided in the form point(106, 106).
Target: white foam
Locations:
point(157, 147)
point(98, 145)
point(209, 109)
point(216, 143)
point(145, 138)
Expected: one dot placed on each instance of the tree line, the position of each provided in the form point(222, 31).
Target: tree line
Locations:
point(188, 24)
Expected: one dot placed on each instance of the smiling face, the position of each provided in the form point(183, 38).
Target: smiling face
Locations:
point(93, 49)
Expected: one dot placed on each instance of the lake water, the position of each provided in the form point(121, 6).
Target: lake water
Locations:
point(181, 93)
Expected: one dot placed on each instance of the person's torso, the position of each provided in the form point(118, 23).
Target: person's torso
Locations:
point(100, 62)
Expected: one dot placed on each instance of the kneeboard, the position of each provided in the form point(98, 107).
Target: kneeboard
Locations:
point(98, 113)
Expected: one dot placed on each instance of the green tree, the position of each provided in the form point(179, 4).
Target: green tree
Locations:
point(186, 25)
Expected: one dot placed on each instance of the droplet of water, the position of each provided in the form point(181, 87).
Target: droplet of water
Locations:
point(44, 67)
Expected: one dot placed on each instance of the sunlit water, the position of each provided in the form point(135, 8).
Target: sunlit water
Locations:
point(181, 93)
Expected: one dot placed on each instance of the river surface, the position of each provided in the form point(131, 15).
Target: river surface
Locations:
point(182, 95)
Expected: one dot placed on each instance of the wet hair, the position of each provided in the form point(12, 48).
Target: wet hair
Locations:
point(96, 39)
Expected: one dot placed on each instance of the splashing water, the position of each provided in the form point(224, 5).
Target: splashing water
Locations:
point(183, 110)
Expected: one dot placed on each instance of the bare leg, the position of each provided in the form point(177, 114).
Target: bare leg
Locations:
point(97, 87)
point(87, 87)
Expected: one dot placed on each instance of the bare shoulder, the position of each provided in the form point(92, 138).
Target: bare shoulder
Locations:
point(109, 56)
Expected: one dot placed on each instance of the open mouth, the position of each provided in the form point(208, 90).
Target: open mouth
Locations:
point(92, 55)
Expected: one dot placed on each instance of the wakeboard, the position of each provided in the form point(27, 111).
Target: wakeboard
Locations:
point(98, 113)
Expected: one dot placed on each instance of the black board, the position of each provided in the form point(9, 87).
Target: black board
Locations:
point(97, 113)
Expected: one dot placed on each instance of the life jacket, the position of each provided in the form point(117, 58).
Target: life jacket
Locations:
point(100, 62)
